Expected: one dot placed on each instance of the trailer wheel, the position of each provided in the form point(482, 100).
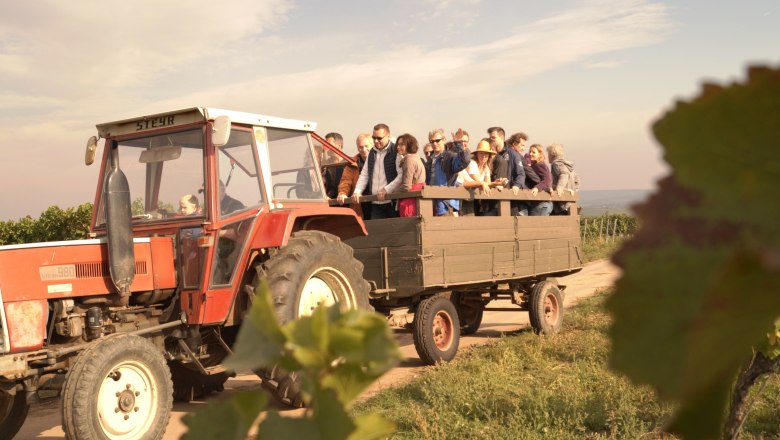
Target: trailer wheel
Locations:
point(436, 330)
point(546, 308)
point(118, 389)
point(469, 313)
point(13, 412)
point(315, 268)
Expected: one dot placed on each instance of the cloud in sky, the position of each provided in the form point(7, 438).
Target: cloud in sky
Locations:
point(67, 48)
point(473, 71)
point(65, 66)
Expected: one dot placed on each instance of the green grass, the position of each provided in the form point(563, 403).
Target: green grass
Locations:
point(599, 249)
point(529, 387)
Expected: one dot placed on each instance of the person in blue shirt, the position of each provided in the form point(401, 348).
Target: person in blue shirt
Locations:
point(443, 166)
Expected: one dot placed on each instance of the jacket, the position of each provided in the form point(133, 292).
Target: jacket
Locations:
point(350, 176)
point(563, 175)
point(413, 172)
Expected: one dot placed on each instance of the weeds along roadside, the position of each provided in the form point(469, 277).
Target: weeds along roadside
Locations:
point(531, 387)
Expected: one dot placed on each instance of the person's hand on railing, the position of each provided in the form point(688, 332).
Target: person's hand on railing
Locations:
point(342, 198)
point(356, 198)
point(534, 191)
point(381, 194)
point(485, 188)
point(515, 190)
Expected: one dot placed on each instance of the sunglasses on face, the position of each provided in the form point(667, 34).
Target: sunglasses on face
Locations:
point(436, 141)
point(378, 138)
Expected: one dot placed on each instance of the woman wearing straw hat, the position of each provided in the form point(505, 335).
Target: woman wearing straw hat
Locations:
point(477, 175)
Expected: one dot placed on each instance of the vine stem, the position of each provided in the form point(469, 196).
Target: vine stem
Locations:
point(740, 407)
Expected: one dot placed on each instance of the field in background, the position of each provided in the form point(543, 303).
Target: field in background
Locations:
point(613, 201)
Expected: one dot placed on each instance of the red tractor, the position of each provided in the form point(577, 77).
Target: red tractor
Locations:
point(193, 208)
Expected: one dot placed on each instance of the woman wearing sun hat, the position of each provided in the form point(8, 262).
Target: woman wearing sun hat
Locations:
point(477, 175)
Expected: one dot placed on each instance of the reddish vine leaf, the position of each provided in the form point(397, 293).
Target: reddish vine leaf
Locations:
point(698, 290)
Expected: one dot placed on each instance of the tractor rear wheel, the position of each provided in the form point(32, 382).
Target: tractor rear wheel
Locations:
point(315, 268)
point(13, 411)
point(190, 384)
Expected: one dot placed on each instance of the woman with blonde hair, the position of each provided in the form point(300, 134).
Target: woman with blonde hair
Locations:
point(539, 165)
point(478, 175)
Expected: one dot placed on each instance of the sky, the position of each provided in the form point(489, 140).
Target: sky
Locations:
point(591, 75)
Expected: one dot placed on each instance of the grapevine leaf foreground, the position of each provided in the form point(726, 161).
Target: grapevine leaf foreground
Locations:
point(700, 288)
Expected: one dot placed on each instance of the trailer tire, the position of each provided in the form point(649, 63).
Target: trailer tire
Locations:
point(469, 313)
point(546, 308)
point(436, 330)
point(314, 268)
point(118, 389)
point(13, 412)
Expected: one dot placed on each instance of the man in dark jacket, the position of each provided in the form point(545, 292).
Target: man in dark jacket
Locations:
point(514, 163)
point(333, 165)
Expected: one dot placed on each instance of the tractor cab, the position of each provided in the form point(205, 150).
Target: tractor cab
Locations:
point(209, 179)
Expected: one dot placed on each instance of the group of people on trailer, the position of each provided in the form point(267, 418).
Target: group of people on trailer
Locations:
point(382, 167)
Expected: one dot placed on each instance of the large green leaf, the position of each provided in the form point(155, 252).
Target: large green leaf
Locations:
point(260, 341)
point(371, 427)
point(309, 337)
point(701, 281)
point(226, 420)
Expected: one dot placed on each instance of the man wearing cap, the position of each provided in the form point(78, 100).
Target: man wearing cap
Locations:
point(379, 174)
point(443, 166)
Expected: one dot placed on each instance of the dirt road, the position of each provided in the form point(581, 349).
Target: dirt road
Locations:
point(44, 419)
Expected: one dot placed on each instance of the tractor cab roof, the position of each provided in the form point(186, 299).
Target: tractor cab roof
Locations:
point(194, 115)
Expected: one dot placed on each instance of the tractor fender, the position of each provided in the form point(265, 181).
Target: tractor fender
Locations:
point(277, 226)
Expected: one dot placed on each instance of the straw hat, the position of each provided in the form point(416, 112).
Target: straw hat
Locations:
point(483, 147)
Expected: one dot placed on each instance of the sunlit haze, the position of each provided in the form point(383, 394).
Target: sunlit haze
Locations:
point(592, 75)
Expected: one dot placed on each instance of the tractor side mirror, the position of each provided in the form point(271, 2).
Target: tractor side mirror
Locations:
point(220, 131)
point(89, 157)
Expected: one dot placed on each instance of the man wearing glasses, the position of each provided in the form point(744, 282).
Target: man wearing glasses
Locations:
point(443, 166)
point(379, 175)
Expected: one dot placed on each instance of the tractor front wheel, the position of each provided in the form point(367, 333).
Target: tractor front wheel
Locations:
point(118, 389)
point(13, 411)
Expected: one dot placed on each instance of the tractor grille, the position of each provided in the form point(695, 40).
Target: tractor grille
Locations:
point(100, 270)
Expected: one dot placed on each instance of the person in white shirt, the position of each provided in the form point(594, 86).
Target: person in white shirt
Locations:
point(380, 175)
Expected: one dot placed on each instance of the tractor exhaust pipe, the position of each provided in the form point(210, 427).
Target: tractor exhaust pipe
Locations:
point(121, 255)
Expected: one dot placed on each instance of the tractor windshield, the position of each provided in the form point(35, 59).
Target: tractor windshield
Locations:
point(165, 175)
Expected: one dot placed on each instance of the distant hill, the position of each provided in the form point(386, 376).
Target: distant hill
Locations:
point(598, 202)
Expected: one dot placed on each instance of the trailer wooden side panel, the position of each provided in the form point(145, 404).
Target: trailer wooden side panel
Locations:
point(415, 254)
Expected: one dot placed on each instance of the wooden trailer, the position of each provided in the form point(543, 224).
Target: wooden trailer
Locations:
point(435, 275)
